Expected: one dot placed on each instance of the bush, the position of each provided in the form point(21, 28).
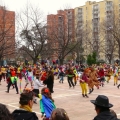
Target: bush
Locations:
point(91, 59)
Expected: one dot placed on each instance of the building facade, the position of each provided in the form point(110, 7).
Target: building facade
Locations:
point(7, 34)
point(59, 27)
point(96, 19)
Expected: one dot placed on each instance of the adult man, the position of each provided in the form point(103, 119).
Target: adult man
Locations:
point(102, 107)
point(26, 104)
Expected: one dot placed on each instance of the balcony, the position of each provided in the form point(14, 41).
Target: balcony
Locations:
point(95, 16)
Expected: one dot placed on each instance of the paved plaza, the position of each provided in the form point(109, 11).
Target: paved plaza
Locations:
point(77, 107)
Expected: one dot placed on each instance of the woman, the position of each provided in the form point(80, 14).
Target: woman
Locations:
point(46, 103)
point(49, 81)
point(25, 110)
point(29, 77)
point(83, 82)
point(5, 113)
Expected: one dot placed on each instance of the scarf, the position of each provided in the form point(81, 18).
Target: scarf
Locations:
point(26, 107)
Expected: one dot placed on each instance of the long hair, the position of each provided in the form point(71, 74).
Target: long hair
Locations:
point(5, 113)
point(50, 73)
point(46, 92)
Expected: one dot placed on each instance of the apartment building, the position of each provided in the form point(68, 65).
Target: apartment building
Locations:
point(7, 33)
point(60, 25)
point(90, 18)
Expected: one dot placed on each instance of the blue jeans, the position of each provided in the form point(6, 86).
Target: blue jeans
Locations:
point(61, 78)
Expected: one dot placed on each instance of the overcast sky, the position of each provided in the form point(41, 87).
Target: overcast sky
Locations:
point(47, 6)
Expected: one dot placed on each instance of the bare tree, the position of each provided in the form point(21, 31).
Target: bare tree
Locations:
point(62, 34)
point(111, 29)
point(33, 32)
point(7, 33)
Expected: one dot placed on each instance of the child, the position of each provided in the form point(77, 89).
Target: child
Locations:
point(29, 76)
point(46, 103)
point(36, 85)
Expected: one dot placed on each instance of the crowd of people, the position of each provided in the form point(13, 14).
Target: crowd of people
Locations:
point(44, 75)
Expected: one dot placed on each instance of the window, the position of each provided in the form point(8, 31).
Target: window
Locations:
point(95, 15)
point(95, 6)
point(80, 10)
point(109, 2)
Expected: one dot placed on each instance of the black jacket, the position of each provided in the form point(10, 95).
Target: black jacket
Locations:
point(24, 115)
point(49, 80)
point(106, 115)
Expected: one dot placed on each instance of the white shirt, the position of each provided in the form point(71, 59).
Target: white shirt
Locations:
point(37, 84)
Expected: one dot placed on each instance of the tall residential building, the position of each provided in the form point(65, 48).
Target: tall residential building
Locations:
point(58, 26)
point(90, 18)
point(7, 33)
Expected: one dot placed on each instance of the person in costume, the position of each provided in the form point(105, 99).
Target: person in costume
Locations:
point(94, 77)
point(13, 80)
point(115, 76)
point(29, 78)
point(101, 76)
point(109, 74)
point(119, 73)
point(75, 77)
point(70, 76)
point(83, 82)
point(46, 103)
point(19, 72)
point(36, 85)
point(90, 82)
point(3, 70)
point(61, 76)
point(37, 72)
point(49, 81)
point(0, 76)
point(43, 75)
